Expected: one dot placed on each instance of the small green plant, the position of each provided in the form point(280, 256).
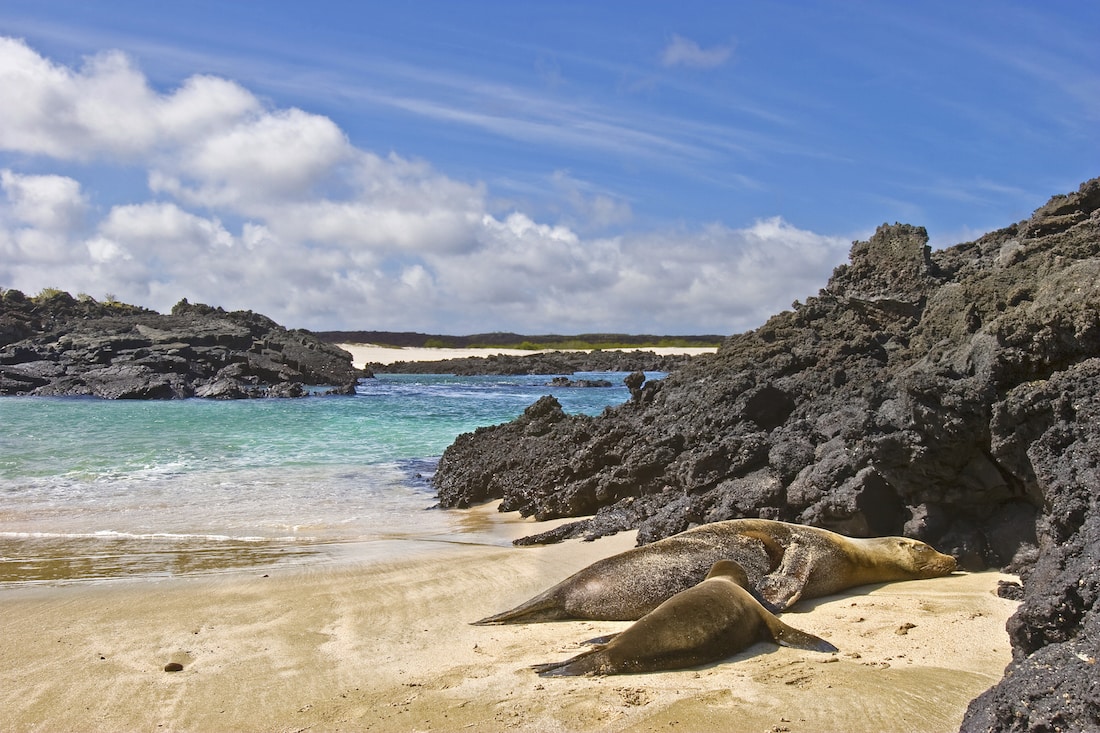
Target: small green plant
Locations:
point(48, 293)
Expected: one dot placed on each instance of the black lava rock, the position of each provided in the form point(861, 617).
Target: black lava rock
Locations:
point(950, 395)
point(55, 344)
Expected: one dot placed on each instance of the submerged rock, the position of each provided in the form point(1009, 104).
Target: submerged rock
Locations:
point(947, 395)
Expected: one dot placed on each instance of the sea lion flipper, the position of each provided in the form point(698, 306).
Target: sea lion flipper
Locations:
point(543, 607)
point(768, 605)
point(785, 635)
point(783, 587)
point(552, 669)
point(589, 662)
point(780, 591)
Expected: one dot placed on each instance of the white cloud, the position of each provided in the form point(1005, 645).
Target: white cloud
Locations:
point(104, 251)
point(714, 279)
point(101, 109)
point(46, 202)
point(723, 279)
point(275, 210)
point(271, 157)
point(164, 229)
point(37, 215)
point(682, 51)
point(202, 106)
point(106, 108)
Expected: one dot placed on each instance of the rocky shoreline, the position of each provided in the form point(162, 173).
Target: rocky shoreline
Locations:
point(552, 362)
point(54, 344)
point(951, 396)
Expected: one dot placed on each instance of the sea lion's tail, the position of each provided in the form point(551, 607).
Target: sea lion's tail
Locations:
point(789, 636)
point(539, 608)
point(590, 662)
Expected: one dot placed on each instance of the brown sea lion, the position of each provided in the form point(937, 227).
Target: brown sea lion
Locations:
point(784, 562)
point(705, 623)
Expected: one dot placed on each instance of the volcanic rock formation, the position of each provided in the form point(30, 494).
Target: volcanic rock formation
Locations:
point(55, 344)
point(952, 396)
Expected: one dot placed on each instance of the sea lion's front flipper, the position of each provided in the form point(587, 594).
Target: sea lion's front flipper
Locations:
point(784, 586)
point(768, 605)
point(785, 635)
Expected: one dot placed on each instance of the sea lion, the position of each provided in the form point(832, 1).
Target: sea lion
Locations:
point(706, 623)
point(784, 562)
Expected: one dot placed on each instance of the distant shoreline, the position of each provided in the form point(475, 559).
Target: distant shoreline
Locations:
point(363, 354)
point(522, 342)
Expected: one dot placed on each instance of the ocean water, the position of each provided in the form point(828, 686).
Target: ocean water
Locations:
point(93, 489)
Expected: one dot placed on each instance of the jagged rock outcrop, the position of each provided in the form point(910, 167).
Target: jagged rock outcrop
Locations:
point(946, 395)
point(1053, 682)
point(59, 345)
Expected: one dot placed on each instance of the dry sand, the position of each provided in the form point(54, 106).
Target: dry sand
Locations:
point(386, 646)
point(371, 354)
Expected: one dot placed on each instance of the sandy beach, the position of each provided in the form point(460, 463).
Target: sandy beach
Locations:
point(385, 645)
point(372, 354)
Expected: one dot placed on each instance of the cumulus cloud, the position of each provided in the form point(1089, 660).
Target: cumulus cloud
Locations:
point(274, 209)
point(726, 279)
point(37, 215)
point(265, 159)
point(106, 107)
point(682, 51)
point(46, 202)
point(715, 279)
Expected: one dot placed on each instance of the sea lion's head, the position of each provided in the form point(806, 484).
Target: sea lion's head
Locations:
point(922, 559)
point(729, 569)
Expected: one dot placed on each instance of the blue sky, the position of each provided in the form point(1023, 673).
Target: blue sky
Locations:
point(461, 167)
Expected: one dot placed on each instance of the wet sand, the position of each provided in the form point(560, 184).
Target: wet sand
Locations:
point(371, 354)
point(385, 645)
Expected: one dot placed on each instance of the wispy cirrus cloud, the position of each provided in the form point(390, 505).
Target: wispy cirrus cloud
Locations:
point(537, 121)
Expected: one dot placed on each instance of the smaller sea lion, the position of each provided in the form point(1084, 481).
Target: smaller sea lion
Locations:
point(706, 623)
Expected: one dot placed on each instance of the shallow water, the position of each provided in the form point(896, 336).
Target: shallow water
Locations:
point(93, 489)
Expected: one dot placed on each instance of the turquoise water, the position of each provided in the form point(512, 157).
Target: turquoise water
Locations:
point(98, 489)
